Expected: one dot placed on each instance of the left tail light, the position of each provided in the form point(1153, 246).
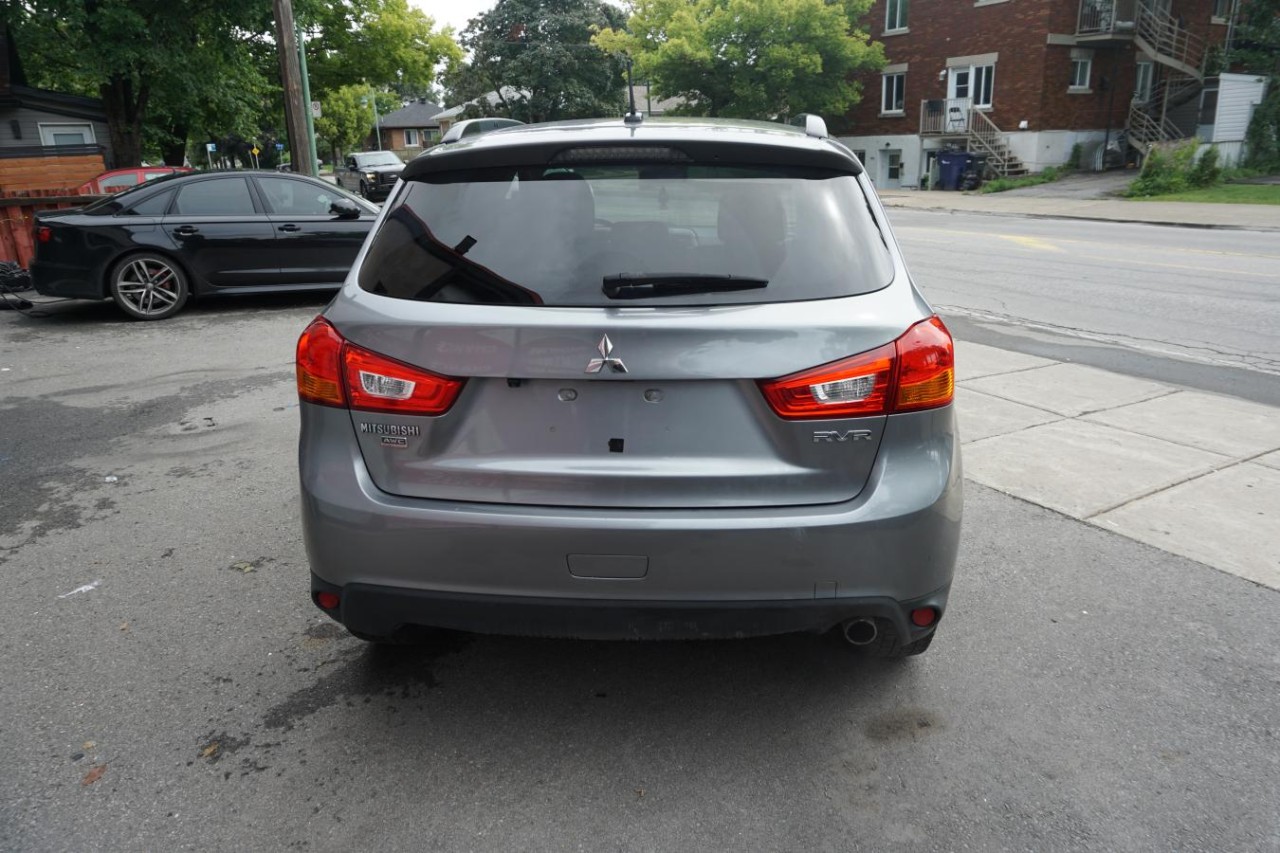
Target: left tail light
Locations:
point(335, 372)
point(44, 233)
point(917, 371)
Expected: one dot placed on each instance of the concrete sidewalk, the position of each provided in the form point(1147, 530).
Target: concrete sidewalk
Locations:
point(1191, 473)
point(1255, 217)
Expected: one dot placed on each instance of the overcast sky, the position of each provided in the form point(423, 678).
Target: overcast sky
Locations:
point(454, 13)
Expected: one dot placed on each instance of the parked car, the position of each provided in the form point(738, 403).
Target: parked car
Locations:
point(372, 174)
point(119, 180)
point(153, 247)
point(632, 380)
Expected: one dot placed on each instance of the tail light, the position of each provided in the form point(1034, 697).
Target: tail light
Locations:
point(44, 233)
point(917, 371)
point(335, 372)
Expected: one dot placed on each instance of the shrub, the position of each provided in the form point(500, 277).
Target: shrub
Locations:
point(1206, 172)
point(1174, 169)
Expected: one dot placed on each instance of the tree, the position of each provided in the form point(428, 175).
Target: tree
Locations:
point(537, 55)
point(346, 118)
point(384, 42)
point(157, 65)
point(763, 59)
point(1255, 49)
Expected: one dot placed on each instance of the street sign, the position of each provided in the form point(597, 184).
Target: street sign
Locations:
point(254, 149)
point(279, 146)
point(315, 109)
point(211, 146)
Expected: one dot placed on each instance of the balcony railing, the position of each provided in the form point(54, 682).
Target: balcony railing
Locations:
point(945, 116)
point(1099, 17)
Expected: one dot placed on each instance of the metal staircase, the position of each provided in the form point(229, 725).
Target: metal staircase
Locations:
point(985, 137)
point(1158, 34)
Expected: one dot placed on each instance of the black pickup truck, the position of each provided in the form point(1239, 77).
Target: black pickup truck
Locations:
point(372, 174)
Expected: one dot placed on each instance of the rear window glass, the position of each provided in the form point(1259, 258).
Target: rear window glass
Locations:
point(154, 206)
point(559, 235)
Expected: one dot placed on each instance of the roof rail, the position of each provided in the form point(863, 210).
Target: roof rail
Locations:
point(813, 125)
point(475, 127)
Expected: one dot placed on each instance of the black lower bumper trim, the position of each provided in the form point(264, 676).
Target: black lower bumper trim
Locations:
point(382, 611)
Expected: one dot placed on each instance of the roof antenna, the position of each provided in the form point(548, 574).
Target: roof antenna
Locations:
point(632, 117)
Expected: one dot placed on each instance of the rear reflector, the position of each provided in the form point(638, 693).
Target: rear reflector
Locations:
point(917, 371)
point(335, 372)
point(923, 617)
point(328, 600)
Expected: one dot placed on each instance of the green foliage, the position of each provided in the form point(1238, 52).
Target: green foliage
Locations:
point(386, 43)
point(1262, 139)
point(1175, 168)
point(761, 59)
point(1077, 154)
point(346, 118)
point(1256, 42)
point(1048, 176)
point(538, 56)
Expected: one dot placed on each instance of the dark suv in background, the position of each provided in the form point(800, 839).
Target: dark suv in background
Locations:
point(615, 379)
point(372, 174)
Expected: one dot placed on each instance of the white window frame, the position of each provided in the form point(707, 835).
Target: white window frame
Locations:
point(895, 16)
point(983, 76)
point(1077, 63)
point(1221, 11)
point(417, 139)
point(47, 130)
point(1142, 93)
point(886, 84)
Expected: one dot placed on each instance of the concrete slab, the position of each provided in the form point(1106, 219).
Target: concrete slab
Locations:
point(1069, 389)
point(975, 360)
point(1229, 519)
point(1206, 421)
point(1082, 468)
point(1271, 460)
point(982, 416)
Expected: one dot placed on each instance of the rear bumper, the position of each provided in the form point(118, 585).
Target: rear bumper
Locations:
point(737, 571)
point(67, 281)
point(381, 611)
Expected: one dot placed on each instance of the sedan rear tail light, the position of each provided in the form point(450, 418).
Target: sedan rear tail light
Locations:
point(44, 233)
point(917, 371)
point(335, 372)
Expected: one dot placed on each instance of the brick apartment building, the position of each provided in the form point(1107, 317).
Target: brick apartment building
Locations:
point(1023, 81)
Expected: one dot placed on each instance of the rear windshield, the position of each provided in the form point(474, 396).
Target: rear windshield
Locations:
point(559, 235)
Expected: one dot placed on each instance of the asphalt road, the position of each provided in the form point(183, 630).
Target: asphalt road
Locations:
point(1199, 307)
point(168, 685)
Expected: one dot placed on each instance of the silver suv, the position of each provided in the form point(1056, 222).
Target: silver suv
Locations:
point(613, 379)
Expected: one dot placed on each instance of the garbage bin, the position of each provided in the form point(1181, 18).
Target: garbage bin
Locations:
point(951, 165)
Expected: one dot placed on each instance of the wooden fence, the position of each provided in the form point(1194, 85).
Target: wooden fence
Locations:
point(17, 219)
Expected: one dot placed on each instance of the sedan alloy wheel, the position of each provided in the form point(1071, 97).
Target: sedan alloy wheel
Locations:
point(149, 287)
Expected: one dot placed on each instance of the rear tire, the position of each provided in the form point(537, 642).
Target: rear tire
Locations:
point(149, 286)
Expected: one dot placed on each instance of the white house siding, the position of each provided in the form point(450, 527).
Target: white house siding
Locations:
point(29, 122)
point(1238, 94)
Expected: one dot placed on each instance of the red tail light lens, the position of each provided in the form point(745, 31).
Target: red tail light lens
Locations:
point(926, 367)
point(380, 384)
point(320, 365)
point(335, 372)
point(849, 388)
point(44, 233)
point(917, 371)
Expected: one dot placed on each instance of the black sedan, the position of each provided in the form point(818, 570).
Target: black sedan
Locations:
point(153, 247)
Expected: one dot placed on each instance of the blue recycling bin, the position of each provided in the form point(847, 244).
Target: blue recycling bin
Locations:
point(951, 166)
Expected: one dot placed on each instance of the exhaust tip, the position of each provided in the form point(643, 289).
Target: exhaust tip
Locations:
point(859, 632)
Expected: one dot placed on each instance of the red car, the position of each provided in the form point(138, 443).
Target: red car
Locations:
point(118, 180)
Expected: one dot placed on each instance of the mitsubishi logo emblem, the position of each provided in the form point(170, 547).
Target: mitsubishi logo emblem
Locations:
point(598, 364)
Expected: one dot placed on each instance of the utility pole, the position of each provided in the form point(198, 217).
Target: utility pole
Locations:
point(291, 79)
point(306, 99)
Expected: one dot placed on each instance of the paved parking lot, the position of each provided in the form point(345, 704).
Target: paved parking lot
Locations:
point(169, 685)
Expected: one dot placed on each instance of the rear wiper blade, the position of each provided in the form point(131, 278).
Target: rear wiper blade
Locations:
point(645, 285)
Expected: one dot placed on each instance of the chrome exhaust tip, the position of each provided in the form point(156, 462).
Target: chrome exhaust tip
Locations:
point(859, 632)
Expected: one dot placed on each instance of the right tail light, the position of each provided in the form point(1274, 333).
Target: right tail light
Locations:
point(917, 371)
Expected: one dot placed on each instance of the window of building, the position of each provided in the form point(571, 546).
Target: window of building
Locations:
point(1221, 9)
point(984, 81)
point(1080, 71)
point(895, 15)
point(411, 139)
point(893, 93)
point(67, 134)
point(1142, 84)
